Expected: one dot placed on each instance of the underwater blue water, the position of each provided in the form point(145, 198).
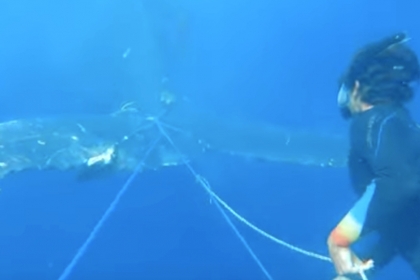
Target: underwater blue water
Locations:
point(272, 61)
point(166, 228)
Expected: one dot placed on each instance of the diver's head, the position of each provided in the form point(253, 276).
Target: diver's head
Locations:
point(381, 72)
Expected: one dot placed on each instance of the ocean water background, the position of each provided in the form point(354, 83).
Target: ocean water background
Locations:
point(270, 61)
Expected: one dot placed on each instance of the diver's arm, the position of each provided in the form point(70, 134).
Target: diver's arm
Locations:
point(384, 197)
point(382, 254)
point(346, 233)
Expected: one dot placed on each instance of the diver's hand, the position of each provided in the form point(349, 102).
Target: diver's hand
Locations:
point(346, 262)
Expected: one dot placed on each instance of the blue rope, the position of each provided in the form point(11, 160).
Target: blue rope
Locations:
point(82, 250)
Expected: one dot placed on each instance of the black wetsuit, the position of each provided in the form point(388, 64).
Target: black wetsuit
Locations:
point(385, 148)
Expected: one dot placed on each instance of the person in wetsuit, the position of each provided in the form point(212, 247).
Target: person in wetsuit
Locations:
point(384, 159)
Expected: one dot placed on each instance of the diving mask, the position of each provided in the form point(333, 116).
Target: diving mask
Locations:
point(343, 100)
point(343, 97)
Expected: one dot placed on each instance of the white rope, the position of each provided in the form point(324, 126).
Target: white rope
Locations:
point(226, 217)
point(205, 184)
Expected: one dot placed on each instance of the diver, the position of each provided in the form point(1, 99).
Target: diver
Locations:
point(383, 159)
